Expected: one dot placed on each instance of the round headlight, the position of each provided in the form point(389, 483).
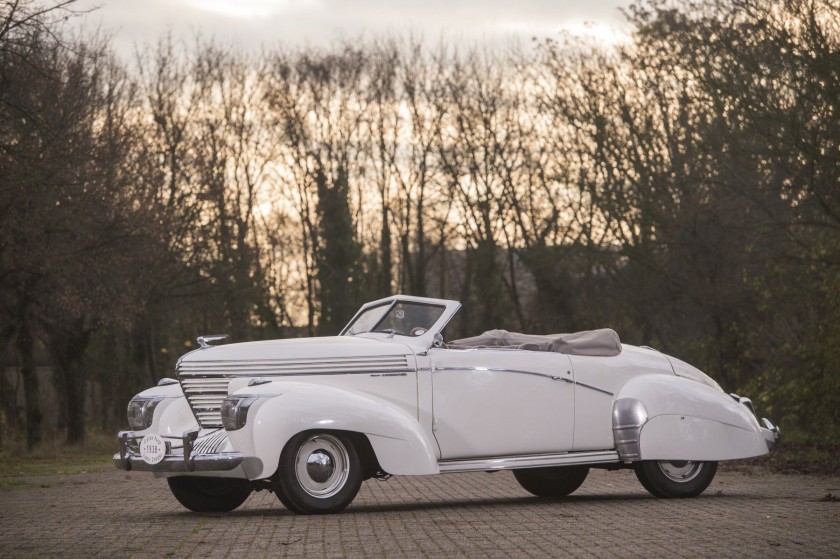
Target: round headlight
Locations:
point(141, 411)
point(235, 411)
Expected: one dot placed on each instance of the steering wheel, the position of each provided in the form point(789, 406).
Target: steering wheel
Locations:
point(417, 331)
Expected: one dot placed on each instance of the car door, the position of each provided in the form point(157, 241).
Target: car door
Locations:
point(501, 402)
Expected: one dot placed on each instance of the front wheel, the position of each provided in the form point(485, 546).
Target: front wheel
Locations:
point(551, 483)
point(209, 494)
point(683, 478)
point(319, 473)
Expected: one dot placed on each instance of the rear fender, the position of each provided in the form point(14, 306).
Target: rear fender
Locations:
point(288, 408)
point(658, 417)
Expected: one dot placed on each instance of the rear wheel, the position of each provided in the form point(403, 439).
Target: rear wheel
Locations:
point(675, 478)
point(551, 483)
point(319, 473)
point(209, 494)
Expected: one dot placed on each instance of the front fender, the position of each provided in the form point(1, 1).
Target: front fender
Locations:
point(657, 417)
point(173, 415)
point(288, 408)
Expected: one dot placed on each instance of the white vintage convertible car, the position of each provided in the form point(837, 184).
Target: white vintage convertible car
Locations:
point(310, 419)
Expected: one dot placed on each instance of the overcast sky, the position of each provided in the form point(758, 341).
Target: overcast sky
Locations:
point(251, 23)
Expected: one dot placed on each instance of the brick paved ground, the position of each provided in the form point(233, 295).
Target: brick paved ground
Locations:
point(119, 514)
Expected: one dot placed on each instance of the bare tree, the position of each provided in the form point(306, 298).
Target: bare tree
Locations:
point(318, 113)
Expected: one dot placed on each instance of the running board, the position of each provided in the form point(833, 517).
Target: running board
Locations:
point(528, 461)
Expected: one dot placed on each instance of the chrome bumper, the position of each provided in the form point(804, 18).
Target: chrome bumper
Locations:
point(772, 434)
point(127, 459)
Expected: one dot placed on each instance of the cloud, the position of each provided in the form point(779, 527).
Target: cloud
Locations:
point(252, 23)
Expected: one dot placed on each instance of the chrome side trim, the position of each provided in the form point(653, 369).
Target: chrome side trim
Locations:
point(629, 416)
point(528, 461)
point(300, 363)
point(590, 387)
point(498, 370)
point(521, 372)
point(230, 372)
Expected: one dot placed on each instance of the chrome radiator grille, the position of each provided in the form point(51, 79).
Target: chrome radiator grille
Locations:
point(205, 383)
point(205, 395)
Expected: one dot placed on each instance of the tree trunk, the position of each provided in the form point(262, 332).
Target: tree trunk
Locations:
point(419, 278)
point(26, 347)
point(8, 396)
point(68, 351)
point(75, 397)
point(386, 279)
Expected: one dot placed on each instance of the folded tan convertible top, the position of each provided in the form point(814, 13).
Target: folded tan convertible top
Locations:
point(601, 342)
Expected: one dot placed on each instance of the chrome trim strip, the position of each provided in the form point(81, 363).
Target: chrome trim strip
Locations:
point(528, 461)
point(226, 373)
point(497, 370)
point(521, 372)
point(299, 361)
point(590, 387)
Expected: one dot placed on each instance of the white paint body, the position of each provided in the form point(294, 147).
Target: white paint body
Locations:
point(422, 407)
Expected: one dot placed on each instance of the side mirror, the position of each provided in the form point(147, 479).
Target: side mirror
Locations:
point(437, 341)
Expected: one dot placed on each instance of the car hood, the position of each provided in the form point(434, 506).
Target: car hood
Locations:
point(333, 347)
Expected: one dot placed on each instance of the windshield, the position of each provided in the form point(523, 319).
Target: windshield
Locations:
point(368, 319)
point(403, 318)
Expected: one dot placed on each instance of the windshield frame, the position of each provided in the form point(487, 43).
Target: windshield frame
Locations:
point(418, 343)
point(346, 331)
point(375, 329)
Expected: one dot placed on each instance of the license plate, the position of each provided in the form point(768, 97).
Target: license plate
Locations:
point(152, 449)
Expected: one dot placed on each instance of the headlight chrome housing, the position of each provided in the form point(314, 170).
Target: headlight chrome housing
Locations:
point(235, 411)
point(141, 411)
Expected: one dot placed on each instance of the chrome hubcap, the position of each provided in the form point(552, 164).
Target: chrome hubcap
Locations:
point(681, 471)
point(322, 466)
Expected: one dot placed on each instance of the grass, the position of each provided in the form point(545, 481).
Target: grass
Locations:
point(54, 458)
